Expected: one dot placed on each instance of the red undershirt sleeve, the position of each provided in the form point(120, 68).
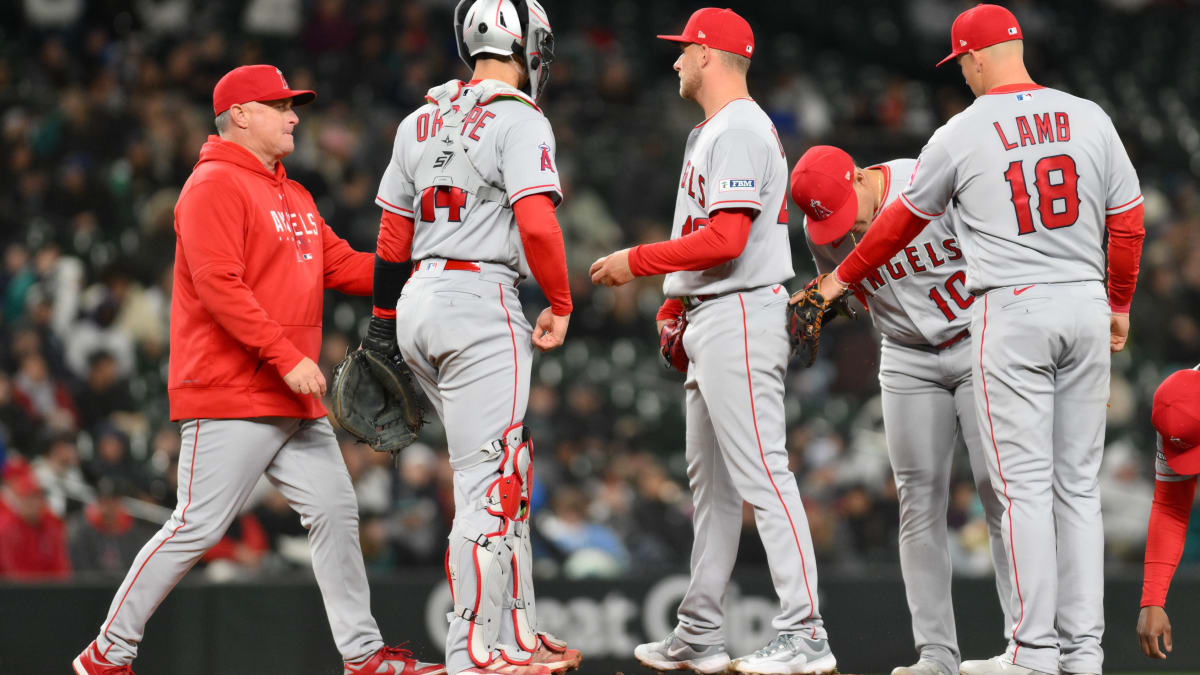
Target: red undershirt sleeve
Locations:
point(672, 308)
point(544, 250)
point(1165, 536)
point(1126, 230)
point(891, 231)
point(722, 240)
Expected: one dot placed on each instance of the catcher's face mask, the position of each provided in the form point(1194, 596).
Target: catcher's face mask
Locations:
point(539, 46)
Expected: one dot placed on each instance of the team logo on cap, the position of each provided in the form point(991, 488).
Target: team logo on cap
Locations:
point(1012, 30)
point(819, 209)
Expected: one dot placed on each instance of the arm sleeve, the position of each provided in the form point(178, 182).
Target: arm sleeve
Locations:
point(672, 308)
point(212, 236)
point(1126, 230)
point(721, 240)
point(346, 270)
point(1165, 536)
point(1124, 190)
point(527, 162)
point(891, 231)
point(397, 193)
point(544, 250)
point(932, 182)
point(393, 251)
point(736, 168)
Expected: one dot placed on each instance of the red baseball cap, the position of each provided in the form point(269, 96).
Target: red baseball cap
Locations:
point(982, 26)
point(718, 28)
point(1176, 417)
point(823, 187)
point(255, 83)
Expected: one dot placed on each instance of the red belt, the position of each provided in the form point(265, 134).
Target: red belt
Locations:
point(454, 266)
point(954, 340)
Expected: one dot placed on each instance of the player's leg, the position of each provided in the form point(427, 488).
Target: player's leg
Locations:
point(920, 422)
point(716, 527)
point(311, 474)
point(1080, 396)
point(477, 338)
point(960, 357)
point(743, 349)
point(1014, 399)
point(220, 461)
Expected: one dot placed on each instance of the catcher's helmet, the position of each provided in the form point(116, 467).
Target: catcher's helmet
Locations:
point(504, 27)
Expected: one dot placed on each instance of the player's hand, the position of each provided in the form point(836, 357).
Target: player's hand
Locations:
point(1119, 329)
point(550, 330)
point(828, 287)
point(612, 269)
point(306, 378)
point(1153, 622)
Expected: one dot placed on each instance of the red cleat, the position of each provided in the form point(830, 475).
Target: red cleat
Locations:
point(91, 662)
point(555, 655)
point(393, 661)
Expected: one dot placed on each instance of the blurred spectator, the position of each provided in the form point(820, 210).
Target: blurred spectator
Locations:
point(591, 549)
point(58, 473)
point(104, 537)
point(419, 520)
point(104, 393)
point(112, 462)
point(33, 544)
point(46, 402)
point(240, 552)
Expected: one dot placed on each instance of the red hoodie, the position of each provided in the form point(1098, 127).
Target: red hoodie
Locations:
point(252, 259)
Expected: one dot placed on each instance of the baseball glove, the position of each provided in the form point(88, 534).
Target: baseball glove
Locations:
point(807, 315)
point(375, 399)
point(670, 344)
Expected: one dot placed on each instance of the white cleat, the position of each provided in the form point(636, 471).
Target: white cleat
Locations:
point(672, 653)
point(919, 668)
point(997, 665)
point(788, 654)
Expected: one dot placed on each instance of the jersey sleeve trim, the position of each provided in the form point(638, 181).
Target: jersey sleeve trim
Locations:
point(398, 210)
point(525, 192)
point(1113, 210)
point(748, 202)
point(918, 212)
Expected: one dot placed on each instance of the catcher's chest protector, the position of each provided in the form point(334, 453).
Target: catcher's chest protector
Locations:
point(446, 160)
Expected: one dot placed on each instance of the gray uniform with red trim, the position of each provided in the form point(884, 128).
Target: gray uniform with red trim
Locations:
point(737, 343)
point(919, 303)
point(1032, 173)
point(461, 328)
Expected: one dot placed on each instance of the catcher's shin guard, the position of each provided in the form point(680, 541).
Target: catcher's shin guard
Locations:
point(479, 566)
point(487, 547)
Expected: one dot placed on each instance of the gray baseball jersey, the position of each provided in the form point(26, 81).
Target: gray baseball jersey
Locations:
point(918, 301)
point(919, 297)
point(1032, 173)
point(734, 160)
point(510, 143)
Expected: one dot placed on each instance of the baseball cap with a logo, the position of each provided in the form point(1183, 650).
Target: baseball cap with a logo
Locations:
point(718, 28)
point(823, 187)
point(1176, 417)
point(255, 83)
point(982, 26)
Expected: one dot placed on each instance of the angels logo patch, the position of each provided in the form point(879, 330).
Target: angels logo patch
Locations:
point(819, 210)
point(547, 164)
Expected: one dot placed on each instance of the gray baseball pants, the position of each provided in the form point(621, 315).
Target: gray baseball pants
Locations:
point(928, 401)
point(738, 346)
point(1041, 388)
point(220, 462)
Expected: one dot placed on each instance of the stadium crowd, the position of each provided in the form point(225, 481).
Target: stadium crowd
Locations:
point(104, 106)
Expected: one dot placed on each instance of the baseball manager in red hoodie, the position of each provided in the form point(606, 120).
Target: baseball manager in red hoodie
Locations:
point(252, 259)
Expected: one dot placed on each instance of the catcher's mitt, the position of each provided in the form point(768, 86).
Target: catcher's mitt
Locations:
point(807, 315)
point(670, 344)
point(375, 399)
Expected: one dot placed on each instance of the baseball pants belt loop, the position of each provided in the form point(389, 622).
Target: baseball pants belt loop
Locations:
point(954, 340)
point(451, 265)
